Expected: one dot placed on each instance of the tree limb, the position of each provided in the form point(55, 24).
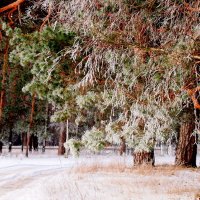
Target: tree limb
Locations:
point(11, 6)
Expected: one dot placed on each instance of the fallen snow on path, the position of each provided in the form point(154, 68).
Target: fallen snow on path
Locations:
point(98, 177)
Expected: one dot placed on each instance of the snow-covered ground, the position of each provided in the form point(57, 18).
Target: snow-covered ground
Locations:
point(93, 177)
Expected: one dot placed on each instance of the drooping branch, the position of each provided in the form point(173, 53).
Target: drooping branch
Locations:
point(10, 16)
point(46, 18)
point(19, 15)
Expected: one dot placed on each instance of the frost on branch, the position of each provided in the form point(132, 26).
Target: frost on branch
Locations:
point(94, 139)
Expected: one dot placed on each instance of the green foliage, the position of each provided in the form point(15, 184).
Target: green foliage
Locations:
point(74, 146)
point(85, 101)
point(94, 139)
point(41, 52)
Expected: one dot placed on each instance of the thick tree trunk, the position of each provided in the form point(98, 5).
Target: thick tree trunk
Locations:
point(62, 139)
point(144, 158)
point(187, 148)
point(35, 143)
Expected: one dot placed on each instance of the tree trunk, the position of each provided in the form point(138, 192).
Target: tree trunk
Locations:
point(144, 158)
point(31, 143)
point(47, 119)
point(27, 141)
point(187, 148)
point(22, 138)
point(62, 139)
point(10, 140)
point(35, 143)
point(3, 82)
point(30, 124)
point(122, 149)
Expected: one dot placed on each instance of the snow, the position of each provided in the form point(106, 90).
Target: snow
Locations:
point(108, 176)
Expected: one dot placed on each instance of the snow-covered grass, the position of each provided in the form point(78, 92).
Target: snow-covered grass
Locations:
point(153, 184)
point(100, 177)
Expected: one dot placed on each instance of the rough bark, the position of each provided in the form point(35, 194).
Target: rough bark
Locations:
point(144, 158)
point(62, 139)
point(187, 148)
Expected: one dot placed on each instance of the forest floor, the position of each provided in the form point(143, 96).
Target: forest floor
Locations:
point(94, 177)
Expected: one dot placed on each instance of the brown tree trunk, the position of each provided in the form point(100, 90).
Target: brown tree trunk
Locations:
point(122, 149)
point(3, 82)
point(31, 143)
point(144, 158)
point(47, 119)
point(10, 139)
point(30, 124)
point(62, 139)
point(35, 143)
point(187, 148)
point(23, 136)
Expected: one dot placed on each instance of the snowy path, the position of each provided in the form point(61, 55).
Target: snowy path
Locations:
point(18, 173)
